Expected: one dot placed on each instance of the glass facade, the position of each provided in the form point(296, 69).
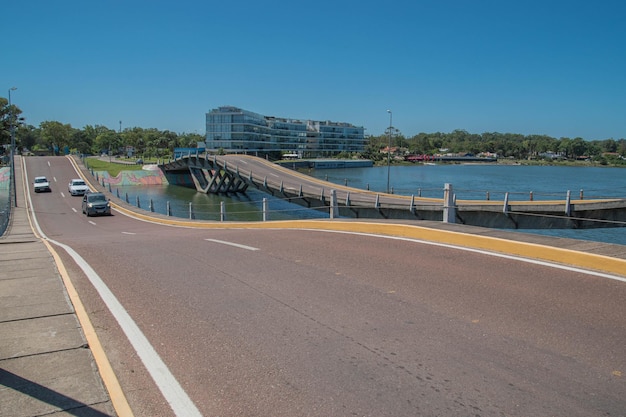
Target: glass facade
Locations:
point(235, 130)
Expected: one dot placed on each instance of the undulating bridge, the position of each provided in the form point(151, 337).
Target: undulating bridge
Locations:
point(236, 173)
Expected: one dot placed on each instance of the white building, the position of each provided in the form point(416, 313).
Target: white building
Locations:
point(235, 130)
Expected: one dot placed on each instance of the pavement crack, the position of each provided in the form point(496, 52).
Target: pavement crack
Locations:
point(48, 352)
point(71, 313)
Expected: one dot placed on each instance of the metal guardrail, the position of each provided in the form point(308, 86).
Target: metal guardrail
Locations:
point(6, 197)
point(5, 214)
point(334, 200)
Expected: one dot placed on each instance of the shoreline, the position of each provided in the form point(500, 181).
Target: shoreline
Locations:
point(513, 162)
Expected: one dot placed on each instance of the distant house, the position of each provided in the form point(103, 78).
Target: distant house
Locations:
point(552, 155)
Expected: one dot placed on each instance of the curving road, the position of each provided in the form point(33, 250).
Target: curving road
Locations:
point(273, 322)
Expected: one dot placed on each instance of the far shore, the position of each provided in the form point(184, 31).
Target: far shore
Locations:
point(533, 162)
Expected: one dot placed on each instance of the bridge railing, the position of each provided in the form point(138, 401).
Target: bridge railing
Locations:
point(281, 208)
point(6, 197)
point(323, 199)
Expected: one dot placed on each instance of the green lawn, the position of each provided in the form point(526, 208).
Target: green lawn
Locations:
point(112, 168)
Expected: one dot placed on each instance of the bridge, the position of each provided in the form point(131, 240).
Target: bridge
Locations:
point(236, 173)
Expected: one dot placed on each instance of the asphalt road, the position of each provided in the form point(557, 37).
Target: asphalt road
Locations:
point(275, 322)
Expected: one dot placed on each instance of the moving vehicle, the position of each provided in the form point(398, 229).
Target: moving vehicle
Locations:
point(41, 184)
point(77, 187)
point(96, 204)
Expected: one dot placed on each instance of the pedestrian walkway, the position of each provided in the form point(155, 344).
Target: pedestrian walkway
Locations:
point(46, 364)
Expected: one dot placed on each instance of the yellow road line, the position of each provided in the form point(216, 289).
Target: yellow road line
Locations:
point(529, 250)
point(118, 399)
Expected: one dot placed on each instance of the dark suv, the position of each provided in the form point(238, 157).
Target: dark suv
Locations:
point(96, 204)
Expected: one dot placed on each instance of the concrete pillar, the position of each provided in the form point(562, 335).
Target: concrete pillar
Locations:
point(505, 207)
point(449, 210)
point(334, 206)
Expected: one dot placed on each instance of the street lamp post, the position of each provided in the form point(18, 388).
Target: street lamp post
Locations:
point(389, 151)
point(12, 129)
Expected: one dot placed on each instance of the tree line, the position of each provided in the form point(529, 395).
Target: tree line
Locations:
point(53, 137)
point(505, 145)
point(56, 137)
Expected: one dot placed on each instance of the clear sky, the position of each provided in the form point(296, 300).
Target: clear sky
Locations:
point(553, 67)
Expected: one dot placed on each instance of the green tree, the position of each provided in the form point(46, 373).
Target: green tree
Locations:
point(55, 135)
point(609, 145)
point(81, 142)
point(107, 142)
point(9, 116)
point(27, 136)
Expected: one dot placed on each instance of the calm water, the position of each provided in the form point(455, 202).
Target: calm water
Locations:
point(474, 181)
point(468, 181)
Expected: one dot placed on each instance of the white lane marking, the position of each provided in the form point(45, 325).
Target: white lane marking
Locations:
point(237, 245)
point(62, 194)
point(177, 398)
point(48, 163)
point(74, 210)
point(170, 388)
point(128, 233)
point(483, 252)
point(92, 222)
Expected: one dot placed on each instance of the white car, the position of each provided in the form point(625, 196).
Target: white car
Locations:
point(77, 187)
point(41, 184)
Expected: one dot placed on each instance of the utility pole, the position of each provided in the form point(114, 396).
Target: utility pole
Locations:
point(12, 128)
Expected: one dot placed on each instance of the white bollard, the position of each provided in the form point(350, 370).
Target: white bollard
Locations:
point(449, 210)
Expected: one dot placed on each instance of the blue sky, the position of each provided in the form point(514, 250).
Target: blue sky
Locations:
point(532, 67)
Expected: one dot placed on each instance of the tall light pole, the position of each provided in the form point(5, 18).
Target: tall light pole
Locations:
point(12, 128)
point(389, 152)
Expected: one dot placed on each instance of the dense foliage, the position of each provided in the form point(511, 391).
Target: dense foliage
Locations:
point(55, 137)
point(52, 137)
point(505, 145)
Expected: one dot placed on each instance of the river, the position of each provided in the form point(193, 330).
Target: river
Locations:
point(469, 181)
point(482, 181)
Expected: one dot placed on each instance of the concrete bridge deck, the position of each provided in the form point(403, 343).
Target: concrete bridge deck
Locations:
point(235, 173)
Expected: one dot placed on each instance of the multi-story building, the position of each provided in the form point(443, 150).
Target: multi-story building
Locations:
point(235, 130)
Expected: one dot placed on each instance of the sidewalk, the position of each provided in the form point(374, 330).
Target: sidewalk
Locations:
point(46, 365)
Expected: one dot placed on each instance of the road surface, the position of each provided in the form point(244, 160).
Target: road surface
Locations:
point(275, 322)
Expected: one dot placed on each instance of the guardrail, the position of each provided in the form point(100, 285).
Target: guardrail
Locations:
point(6, 197)
point(446, 209)
point(222, 176)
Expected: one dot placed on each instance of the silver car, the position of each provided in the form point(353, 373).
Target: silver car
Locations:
point(41, 184)
point(77, 187)
point(96, 204)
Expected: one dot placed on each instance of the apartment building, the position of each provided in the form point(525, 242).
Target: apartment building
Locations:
point(236, 130)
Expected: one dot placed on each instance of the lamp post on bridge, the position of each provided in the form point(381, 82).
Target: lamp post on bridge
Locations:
point(12, 129)
point(389, 151)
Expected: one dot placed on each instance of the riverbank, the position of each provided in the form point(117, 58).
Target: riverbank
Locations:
point(504, 161)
